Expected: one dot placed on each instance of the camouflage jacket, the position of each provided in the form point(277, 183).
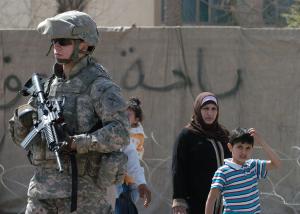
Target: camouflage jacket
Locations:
point(90, 97)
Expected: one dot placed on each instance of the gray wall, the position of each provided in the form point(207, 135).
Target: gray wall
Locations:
point(254, 72)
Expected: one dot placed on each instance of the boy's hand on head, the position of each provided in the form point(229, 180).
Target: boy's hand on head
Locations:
point(252, 131)
point(257, 138)
point(274, 160)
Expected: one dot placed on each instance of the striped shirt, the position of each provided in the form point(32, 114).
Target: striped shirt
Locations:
point(239, 185)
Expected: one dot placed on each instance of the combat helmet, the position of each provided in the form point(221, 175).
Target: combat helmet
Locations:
point(72, 25)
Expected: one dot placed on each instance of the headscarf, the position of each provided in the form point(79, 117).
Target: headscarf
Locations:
point(197, 125)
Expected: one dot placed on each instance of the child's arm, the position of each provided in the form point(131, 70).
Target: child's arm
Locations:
point(211, 199)
point(274, 161)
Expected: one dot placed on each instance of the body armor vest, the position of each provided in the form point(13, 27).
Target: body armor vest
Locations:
point(74, 95)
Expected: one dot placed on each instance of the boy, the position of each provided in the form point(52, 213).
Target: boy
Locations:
point(237, 179)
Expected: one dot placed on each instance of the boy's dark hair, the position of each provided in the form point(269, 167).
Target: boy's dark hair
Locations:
point(134, 104)
point(240, 135)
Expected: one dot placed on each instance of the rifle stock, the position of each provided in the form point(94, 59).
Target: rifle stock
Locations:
point(30, 137)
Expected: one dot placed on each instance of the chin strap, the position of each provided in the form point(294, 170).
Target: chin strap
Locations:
point(75, 55)
point(49, 49)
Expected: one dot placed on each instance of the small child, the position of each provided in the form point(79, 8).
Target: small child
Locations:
point(137, 135)
point(134, 181)
point(237, 179)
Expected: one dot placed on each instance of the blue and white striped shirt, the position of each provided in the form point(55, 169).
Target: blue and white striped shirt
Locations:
point(239, 185)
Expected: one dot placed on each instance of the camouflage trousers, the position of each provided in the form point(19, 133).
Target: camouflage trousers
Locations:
point(63, 206)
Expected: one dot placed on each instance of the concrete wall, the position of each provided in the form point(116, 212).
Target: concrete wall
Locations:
point(255, 72)
point(28, 13)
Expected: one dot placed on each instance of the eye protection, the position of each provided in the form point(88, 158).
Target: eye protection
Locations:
point(62, 41)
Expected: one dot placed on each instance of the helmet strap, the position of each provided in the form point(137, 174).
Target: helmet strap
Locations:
point(50, 47)
point(75, 55)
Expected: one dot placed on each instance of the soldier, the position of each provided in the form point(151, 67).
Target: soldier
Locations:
point(96, 124)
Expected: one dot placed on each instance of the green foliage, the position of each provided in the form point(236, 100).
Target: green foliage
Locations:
point(293, 15)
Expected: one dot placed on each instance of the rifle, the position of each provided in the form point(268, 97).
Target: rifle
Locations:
point(49, 116)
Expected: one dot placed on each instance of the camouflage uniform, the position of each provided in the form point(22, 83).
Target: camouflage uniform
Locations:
point(90, 96)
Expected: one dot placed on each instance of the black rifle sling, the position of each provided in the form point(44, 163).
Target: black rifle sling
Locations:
point(74, 182)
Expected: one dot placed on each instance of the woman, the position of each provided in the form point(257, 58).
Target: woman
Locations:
point(199, 150)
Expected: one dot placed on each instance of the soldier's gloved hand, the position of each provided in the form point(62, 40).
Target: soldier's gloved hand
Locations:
point(68, 145)
point(72, 143)
point(64, 147)
point(81, 143)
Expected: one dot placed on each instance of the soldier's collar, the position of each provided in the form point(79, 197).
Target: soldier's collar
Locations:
point(83, 62)
point(58, 70)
